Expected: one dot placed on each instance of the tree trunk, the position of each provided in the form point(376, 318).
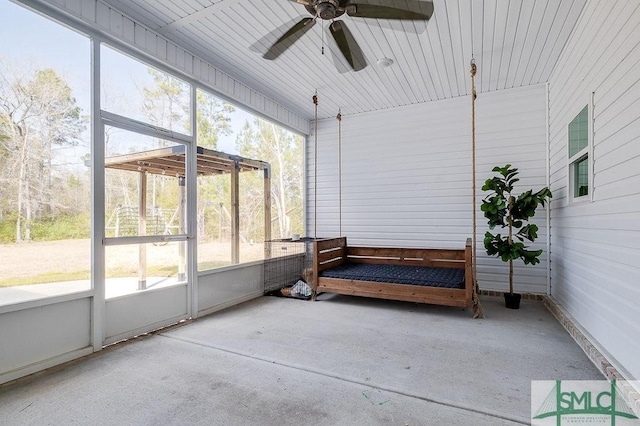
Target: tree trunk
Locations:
point(511, 201)
point(22, 183)
point(282, 206)
point(49, 190)
point(511, 276)
point(280, 196)
point(28, 212)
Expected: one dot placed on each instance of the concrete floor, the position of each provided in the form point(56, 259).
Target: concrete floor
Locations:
point(339, 361)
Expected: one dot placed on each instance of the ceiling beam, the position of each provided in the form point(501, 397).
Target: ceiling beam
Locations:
point(207, 11)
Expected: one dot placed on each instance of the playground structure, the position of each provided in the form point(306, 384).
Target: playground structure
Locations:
point(124, 221)
point(149, 220)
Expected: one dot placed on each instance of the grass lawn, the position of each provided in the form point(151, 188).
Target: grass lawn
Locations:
point(53, 277)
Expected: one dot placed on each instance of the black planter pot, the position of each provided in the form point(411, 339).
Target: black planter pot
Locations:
point(512, 301)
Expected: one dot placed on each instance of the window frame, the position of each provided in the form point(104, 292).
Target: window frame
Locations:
point(584, 153)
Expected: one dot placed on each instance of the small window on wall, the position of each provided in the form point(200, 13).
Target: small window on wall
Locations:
point(579, 169)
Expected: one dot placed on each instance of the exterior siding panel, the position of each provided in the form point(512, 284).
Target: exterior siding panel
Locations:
point(595, 246)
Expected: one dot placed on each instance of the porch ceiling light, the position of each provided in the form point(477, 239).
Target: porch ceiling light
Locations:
point(385, 62)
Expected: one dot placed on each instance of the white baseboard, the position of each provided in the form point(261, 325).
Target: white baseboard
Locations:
point(43, 365)
point(608, 366)
point(230, 303)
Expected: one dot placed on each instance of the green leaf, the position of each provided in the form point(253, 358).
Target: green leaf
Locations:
point(531, 256)
point(501, 207)
point(490, 185)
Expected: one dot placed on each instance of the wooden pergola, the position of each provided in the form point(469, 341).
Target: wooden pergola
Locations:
point(171, 161)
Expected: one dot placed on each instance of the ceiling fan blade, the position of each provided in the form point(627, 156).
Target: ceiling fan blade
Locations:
point(338, 59)
point(288, 38)
point(348, 45)
point(406, 26)
point(304, 2)
point(404, 9)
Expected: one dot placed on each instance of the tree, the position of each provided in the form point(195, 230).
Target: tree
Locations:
point(283, 150)
point(37, 112)
point(214, 192)
point(167, 104)
point(213, 119)
point(5, 155)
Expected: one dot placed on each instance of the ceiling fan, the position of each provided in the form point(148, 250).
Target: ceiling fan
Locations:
point(329, 10)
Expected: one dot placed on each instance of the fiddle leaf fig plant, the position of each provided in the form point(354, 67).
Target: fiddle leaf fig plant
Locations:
point(510, 212)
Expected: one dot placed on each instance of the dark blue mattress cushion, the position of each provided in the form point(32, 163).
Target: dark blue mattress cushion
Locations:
point(398, 274)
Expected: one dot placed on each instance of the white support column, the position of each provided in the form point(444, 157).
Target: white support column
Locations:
point(548, 184)
point(235, 214)
point(192, 210)
point(142, 230)
point(181, 229)
point(267, 211)
point(97, 204)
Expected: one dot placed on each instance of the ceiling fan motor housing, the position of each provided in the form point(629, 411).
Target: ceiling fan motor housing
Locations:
point(325, 9)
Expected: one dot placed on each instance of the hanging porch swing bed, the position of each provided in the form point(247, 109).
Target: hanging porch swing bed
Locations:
point(435, 276)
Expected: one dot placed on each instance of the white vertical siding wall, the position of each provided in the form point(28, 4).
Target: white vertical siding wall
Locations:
point(103, 18)
point(595, 246)
point(406, 177)
point(512, 128)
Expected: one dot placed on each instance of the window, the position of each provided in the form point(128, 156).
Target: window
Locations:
point(135, 90)
point(144, 198)
point(145, 185)
point(45, 199)
point(579, 147)
point(133, 162)
point(226, 128)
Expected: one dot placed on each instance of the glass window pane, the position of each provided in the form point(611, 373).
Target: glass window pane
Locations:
point(251, 215)
point(214, 221)
point(579, 132)
point(226, 128)
point(135, 90)
point(283, 150)
point(144, 185)
point(45, 215)
point(138, 267)
point(216, 120)
point(581, 177)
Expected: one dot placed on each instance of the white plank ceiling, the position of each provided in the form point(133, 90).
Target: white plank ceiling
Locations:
point(514, 43)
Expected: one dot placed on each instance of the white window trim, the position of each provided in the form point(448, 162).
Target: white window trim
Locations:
point(586, 151)
point(139, 127)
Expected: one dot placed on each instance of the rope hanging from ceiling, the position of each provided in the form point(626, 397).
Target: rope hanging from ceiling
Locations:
point(315, 173)
point(478, 312)
point(339, 118)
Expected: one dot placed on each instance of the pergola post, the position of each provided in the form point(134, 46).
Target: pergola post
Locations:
point(235, 213)
point(267, 211)
point(142, 230)
point(182, 229)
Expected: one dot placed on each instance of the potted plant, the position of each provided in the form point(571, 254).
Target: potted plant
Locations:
point(506, 210)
